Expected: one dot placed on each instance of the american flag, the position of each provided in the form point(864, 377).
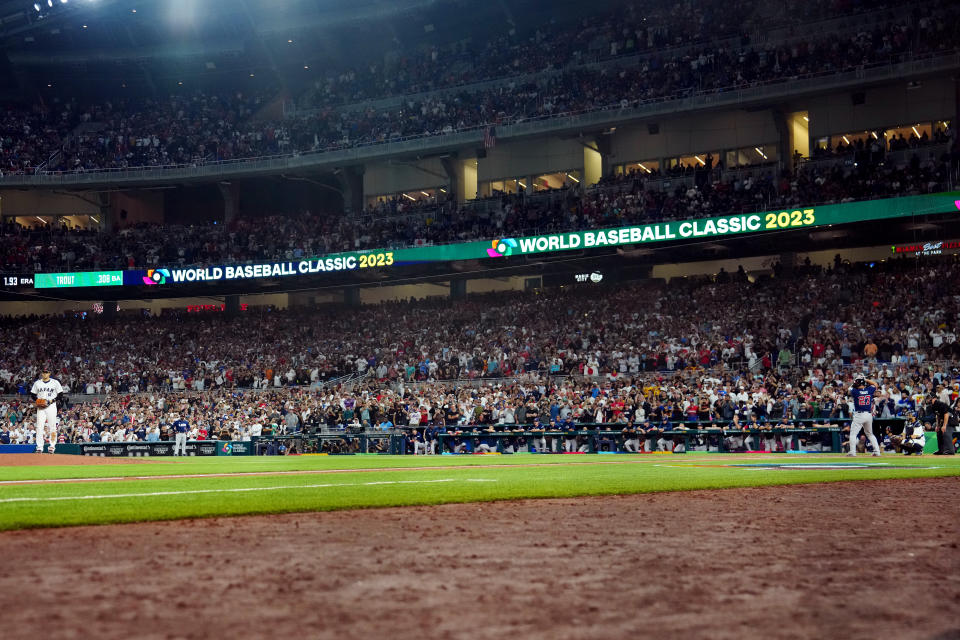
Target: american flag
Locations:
point(490, 138)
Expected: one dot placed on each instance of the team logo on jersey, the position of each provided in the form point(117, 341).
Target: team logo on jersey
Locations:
point(501, 248)
point(156, 276)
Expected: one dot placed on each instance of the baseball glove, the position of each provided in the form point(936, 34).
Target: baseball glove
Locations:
point(41, 403)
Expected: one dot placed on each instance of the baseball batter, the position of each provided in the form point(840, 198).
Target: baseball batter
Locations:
point(46, 390)
point(862, 394)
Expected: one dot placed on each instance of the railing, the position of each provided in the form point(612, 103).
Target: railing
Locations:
point(896, 158)
point(516, 127)
point(587, 438)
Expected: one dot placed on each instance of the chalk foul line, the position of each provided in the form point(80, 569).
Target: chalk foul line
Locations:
point(239, 490)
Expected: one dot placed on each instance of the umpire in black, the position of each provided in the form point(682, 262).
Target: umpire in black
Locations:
point(945, 420)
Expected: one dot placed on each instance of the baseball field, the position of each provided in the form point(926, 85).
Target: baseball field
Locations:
point(565, 546)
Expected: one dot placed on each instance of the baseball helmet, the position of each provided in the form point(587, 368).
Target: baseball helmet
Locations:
point(859, 382)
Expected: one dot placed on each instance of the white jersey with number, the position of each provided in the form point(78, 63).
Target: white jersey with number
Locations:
point(47, 390)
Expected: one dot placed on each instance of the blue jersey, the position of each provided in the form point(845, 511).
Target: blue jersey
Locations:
point(181, 426)
point(863, 399)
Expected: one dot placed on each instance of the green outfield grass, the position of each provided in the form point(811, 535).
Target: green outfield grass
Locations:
point(145, 491)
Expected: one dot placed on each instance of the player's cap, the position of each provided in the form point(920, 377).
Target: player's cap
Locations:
point(859, 382)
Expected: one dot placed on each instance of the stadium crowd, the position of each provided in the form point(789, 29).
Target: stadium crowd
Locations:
point(627, 30)
point(622, 31)
point(617, 201)
point(623, 355)
point(197, 128)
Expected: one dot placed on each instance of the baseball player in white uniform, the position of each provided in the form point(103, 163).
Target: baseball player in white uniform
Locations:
point(46, 389)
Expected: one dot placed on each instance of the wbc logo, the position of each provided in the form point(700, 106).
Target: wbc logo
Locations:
point(501, 248)
point(156, 276)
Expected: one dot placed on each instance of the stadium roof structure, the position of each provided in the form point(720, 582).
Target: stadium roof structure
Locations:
point(152, 45)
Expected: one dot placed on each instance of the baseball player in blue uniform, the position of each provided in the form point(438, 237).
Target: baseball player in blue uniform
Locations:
point(180, 429)
point(862, 394)
point(538, 440)
point(569, 436)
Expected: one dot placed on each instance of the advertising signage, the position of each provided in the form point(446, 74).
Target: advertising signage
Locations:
point(718, 227)
point(939, 247)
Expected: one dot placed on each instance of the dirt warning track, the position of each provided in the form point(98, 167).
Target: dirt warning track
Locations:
point(820, 560)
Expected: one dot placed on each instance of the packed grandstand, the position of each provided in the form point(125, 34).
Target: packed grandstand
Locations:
point(620, 356)
point(619, 201)
point(542, 77)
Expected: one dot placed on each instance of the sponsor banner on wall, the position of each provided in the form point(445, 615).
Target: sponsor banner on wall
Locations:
point(146, 449)
point(923, 249)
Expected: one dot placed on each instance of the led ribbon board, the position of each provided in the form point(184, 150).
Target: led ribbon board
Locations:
point(723, 226)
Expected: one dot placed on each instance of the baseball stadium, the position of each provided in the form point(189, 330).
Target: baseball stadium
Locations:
point(449, 319)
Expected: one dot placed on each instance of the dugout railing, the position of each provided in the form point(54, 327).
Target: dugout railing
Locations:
point(516, 441)
point(594, 438)
point(515, 438)
point(589, 438)
point(614, 441)
point(716, 439)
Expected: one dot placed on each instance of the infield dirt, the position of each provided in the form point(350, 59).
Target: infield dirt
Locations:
point(839, 560)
